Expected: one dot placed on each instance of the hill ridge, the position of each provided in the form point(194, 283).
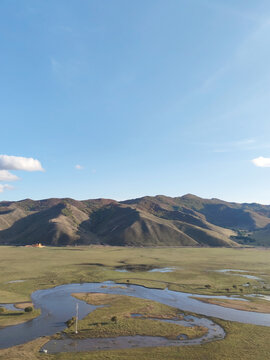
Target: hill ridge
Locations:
point(159, 220)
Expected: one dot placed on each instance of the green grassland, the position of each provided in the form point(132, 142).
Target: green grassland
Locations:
point(241, 343)
point(99, 323)
point(48, 267)
point(9, 317)
point(194, 269)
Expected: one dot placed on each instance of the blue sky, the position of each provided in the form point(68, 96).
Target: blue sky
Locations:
point(121, 99)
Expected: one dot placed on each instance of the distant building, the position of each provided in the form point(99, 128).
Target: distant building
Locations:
point(39, 245)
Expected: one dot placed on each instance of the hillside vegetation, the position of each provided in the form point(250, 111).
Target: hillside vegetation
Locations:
point(147, 221)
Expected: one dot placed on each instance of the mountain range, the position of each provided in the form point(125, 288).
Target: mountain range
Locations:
point(148, 221)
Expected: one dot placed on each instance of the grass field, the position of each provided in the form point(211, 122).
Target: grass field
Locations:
point(47, 267)
point(10, 317)
point(193, 272)
point(99, 324)
point(243, 342)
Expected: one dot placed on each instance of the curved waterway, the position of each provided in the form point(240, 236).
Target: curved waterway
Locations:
point(215, 332)
point(57, 306)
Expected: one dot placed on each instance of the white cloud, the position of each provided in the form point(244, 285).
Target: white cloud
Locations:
point(78, 167)
point(19, 163)
point(7, 176)
point(56, 66)
point(261, 161)
point(4, 187)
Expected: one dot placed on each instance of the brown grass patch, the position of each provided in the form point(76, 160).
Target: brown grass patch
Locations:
point(255, 306)
point(96, 298)
point(23, 305)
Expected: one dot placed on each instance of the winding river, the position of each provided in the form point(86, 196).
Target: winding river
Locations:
point(57, 306)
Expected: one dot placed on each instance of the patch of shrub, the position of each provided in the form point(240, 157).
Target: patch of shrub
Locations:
point(71, 321)
point(114, 319)
point(28, 309)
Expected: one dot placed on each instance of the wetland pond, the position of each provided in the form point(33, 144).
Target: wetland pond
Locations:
point(58, 305)
point(143, 267)
point(235, 272)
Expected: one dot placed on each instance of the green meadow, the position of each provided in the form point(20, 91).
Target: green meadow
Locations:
point(193, 271)
point(120, 308)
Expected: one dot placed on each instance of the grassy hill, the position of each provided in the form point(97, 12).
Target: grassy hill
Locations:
point(147, 221)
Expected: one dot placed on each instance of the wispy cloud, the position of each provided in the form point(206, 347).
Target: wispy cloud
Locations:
point(19, 163)
point(212, 79)
point(224, 7)
point(261, 161)
point(65, 28)
point(238, 145)
point(55, 65)
point(4, 187)
point(255, 40)
point(253, 47)
point(67, 71)
point(243, 143)
point(7, 176)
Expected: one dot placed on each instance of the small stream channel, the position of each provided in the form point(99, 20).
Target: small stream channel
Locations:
point(57, 306)
point(215, 332)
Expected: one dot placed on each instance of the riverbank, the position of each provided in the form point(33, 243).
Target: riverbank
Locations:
point(129, 316)
point(15, 317)
point(122, 322)
point(58, 305)
point(250, 304)
point(242, 342)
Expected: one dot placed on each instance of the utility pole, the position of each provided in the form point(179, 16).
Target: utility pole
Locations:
point(77, 315)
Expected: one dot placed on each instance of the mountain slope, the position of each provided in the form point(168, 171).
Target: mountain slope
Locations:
point(147, 221)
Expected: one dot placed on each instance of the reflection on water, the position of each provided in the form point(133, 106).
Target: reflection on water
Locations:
point(57, 306)
point(10, 307)
point(215, 332)
point(162, 270)
point(263, 297)
point(232, 271)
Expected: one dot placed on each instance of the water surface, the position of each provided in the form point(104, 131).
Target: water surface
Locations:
point(215, 332)
point(57, 306)
point(242, 273)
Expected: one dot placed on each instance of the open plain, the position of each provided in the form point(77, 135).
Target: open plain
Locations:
point(191, 270)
